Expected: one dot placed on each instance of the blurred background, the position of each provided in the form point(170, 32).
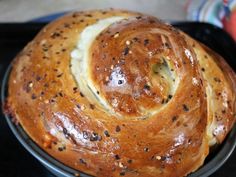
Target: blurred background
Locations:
point(218, 12)
point(24, 10)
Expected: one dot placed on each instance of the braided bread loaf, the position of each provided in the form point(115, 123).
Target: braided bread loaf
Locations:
point(115, 93)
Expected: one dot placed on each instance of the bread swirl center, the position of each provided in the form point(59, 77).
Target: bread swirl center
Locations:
point(127, 67)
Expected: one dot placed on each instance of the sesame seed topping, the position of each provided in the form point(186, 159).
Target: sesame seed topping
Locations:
point(82, 107)
point(116, 35)
point(31, 84)
point(117, 157)
point(121, 165)
point(117, 128)
point(127, 42)
point(185, 108)
point(158, 157)
point(106, 133)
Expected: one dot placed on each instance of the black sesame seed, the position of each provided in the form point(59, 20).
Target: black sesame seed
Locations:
point(162, 101)
point(55, 34)
point(33, 96)
point(174, 118)
point(126, 51)
point(185, 108)
point(139, 17)
point(52, 100)
point(95, 137)
point(170, 96)
point(147, 87)
point(66, 25)
point(60, 148)
point(120, 82)
point(38, 78)
point(122, 173)
point(129, 161)
point(65, 132)
point(146, 42)
point(60, 94)
point(167, 45)
point(106, 133)
point(203, 69)
point(117, 128)
point(92, 106)
point(78, 106)
point(59, 75)
point(75, 89)
point(117, 157)
point(88, 15)
point(146, 149)
point(135, 39)
point(217, 79)
point(81, 94)
point(82, 161)
point(85, 135)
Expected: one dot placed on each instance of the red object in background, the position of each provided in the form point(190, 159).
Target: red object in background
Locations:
point(230, 24)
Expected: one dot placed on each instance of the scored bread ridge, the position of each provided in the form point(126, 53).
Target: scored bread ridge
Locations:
point(220, 89)
point(102, 135)
point(80, 61)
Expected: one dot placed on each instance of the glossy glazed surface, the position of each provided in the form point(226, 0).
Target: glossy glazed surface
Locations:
point(149, 76)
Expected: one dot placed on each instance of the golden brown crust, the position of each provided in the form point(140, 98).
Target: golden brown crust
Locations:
point(220, 81)
point(155, 91)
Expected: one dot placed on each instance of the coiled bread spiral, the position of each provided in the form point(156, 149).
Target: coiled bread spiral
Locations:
point(115, 93)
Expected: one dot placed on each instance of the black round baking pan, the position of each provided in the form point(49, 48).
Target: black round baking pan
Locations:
point(213, 162)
